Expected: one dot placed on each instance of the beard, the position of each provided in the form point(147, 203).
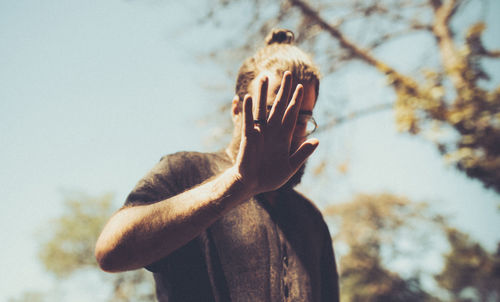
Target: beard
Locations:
point(295, 179)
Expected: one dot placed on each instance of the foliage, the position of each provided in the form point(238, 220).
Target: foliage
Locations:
point(68, 247)
point(382, 230)
point(448, 96)
point(30, 296)
point(374, 229)
point(470, 272)
point(70, 240)
point(378, 233)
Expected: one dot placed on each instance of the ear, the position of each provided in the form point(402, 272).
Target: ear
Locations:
point(236, 109)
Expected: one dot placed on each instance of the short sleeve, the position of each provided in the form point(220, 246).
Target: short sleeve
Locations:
point(170, 176)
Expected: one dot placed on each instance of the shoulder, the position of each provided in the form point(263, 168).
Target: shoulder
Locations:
point(308, 211)
point(182, 158)
point(304, 203)
point(190, 161)
point(191, 158)
point(173, 174)
point(186, 156)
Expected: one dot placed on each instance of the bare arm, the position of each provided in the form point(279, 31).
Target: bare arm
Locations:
point(140, 235)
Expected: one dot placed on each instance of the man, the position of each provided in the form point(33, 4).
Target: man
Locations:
point(228, 226)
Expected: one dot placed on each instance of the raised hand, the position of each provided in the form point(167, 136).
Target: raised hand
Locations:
point(265, 161)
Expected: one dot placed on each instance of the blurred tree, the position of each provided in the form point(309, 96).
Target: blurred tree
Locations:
point(68, 244)
point(376, 235)
point(451, 94)
point(470, 273)
point(69, 239)
point(30, 296)
point(382, 233)
point(378, 231)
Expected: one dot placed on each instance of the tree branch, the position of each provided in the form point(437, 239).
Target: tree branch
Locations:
point(446, 9)
point(355, 114)
point(335, 32)
point(450, 56)
point(390, 36)
point(492, 53)
point(399, 81)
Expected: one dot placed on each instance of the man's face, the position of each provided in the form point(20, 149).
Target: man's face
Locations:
point(308, 102)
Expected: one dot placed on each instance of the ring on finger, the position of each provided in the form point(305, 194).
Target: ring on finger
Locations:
point(259, 122)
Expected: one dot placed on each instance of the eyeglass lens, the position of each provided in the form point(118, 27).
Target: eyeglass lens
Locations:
point(306, 124)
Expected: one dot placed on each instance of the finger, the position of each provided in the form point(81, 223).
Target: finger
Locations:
point(303, 152)
point(292, 111)
point(247, 115)
point(281, 100)
point(262, 106)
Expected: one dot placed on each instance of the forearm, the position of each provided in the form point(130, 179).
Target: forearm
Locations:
point(140, 235)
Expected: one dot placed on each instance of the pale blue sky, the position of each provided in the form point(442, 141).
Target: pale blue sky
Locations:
point(93, 93)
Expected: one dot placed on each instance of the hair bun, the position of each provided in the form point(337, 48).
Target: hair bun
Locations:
point(280, 36)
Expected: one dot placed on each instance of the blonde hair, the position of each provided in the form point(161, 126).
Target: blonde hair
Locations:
point(278, 55)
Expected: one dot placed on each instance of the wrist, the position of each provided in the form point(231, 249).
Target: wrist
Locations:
point(242, 185)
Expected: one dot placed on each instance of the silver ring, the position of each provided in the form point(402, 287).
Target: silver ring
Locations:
point(260, 122)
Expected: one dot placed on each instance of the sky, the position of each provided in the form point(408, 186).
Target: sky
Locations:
point(93, 93)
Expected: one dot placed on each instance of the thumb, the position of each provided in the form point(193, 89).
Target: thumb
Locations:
point(302, 153)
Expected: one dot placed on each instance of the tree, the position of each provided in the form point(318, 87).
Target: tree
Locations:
point(374, 233)
point(470, 272)
point(30, 296)
point(377, 231)
point(68, 242)
point(453, 94)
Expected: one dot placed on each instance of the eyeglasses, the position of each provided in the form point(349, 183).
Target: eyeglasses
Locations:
point(305, 125)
